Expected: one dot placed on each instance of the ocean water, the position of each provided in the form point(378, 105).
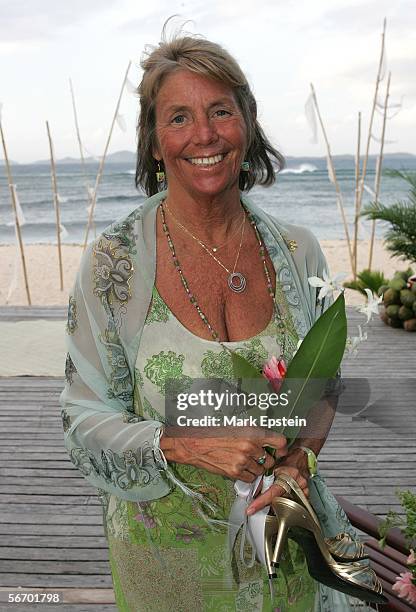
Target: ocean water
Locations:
point(302, 195)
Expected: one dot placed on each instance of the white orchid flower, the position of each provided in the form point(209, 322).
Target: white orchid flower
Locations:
point(328, 284)
point(354, 341)
point(372, 304)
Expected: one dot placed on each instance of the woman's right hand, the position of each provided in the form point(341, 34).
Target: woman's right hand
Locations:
point(230, 455)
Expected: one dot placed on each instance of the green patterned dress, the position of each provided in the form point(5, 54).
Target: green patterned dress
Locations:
point(166, 542)
point(123, 342)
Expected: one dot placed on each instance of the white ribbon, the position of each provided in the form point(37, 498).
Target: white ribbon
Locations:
point(310, 113)
point(252, 525)
point(130, 86)
point(19, 211)
point(121, 122)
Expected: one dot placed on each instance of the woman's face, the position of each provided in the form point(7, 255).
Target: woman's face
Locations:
point(201, 134)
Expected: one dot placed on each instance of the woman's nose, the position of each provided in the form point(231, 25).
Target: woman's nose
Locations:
point(204, 131)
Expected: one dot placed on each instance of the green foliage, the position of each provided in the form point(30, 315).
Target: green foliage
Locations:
point(401, 236)
point(371, 279)
point(407, 524)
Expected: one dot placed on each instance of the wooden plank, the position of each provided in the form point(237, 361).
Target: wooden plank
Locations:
point(40, 541)
point(76, 500)
point(53, 554)
point(46, 581)
point(51, 491)
point(53, 567)
point(24, 518)
point(19, 472)
point(40, 465)
point(32, 508)
point(50, 529)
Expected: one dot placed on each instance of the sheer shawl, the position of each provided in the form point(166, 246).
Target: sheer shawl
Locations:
point(114, 448)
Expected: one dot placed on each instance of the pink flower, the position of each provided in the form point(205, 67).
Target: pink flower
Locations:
point(411, 559)
point(275, 371)
point(405, 588)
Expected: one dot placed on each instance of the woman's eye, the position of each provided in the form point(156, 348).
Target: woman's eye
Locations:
point(222, 112)
point(179, 119)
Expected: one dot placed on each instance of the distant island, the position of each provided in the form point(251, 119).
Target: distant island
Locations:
point(129, 157)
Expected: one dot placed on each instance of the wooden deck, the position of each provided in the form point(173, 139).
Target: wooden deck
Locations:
point(51, 534)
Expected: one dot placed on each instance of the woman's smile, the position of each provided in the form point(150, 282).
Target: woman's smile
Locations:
point(206, 162)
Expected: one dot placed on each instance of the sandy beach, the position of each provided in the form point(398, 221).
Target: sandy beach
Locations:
point(43, 270)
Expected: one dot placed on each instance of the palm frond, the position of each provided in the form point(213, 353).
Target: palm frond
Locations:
point(400, 238)
point(367, 279)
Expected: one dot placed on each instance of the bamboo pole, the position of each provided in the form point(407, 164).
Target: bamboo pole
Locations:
point(357, 179)
point(81, 150)
point(56, 204)
point(16, 218)
point(336, 184)
point(370, 128)
point(102, 161)
point(377, 178)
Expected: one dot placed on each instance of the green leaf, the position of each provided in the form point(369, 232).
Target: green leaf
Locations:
point(322, 349)
point(243, 368)
point(317, 360)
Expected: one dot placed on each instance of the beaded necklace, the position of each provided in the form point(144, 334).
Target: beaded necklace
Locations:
point(192, 298)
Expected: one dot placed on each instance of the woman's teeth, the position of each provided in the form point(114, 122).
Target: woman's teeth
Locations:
point(206, 161)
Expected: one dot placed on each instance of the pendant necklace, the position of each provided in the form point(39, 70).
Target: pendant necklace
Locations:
point(277, 310)
point(237, 282)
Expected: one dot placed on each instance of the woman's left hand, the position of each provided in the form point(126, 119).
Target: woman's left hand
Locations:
point(296, 465)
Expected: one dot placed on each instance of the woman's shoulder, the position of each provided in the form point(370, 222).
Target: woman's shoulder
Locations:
point(123, 231)
point(116, 243)
point(300, 240)
point(302, 236)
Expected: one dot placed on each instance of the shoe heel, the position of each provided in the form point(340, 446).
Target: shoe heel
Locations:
point(281, 539)
point(270, 530)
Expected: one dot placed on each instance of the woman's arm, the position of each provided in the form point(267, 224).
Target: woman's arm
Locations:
point(234, 456)
point(111, 445)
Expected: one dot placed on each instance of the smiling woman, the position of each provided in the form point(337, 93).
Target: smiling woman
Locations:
point(196, 273)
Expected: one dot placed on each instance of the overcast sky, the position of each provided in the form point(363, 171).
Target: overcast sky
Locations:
point(282, 45)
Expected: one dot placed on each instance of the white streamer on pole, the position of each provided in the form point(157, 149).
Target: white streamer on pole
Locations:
point(19, 210)
point(310, 113)
point(88, 152)
point(131, 88)
point(13, 283)
point(15, 211)
point(330, 170)
point(102, 160)
point(380, 139)
point(121, 122)
point(369, 190)
point(63, 231)
point(383, 65)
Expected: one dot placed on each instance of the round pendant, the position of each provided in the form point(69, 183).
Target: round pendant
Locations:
point(240, 285)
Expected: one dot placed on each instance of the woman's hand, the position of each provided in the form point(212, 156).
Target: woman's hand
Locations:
point(235, 456)
point(296, 465)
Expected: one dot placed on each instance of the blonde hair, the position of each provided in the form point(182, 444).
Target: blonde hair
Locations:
point(208, 59)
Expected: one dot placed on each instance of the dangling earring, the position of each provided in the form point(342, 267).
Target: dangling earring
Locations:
point(245, 166)
point(160, 175)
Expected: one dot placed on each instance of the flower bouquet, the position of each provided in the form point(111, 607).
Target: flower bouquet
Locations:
point(315, 362)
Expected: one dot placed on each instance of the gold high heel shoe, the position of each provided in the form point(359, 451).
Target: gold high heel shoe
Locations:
point(271, 527)
point(342, 547)
point(351, 578)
